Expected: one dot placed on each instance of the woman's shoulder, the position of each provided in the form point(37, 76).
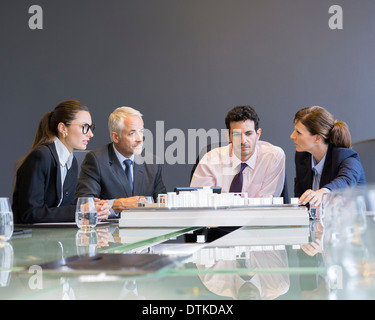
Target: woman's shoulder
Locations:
point(345, 157)
point(40, 154)
point(44, 150)
point(343, 153)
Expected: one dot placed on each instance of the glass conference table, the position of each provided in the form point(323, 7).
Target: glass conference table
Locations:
point(61, 262)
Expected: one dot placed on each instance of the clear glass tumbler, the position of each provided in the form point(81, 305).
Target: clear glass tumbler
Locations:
point(86, 213)
point(6, 220)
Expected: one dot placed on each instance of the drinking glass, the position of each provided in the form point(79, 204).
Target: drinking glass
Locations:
point(6, 220)
point(332, 204)
point(150, 200)
point(86, 213)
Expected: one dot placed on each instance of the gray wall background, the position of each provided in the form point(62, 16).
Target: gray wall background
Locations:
point(186, 62)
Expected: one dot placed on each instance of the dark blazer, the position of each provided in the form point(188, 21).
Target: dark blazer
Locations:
point(342, 168)
point(38, 188)
point(102, 176)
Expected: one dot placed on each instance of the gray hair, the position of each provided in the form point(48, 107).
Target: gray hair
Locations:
point(115, 123)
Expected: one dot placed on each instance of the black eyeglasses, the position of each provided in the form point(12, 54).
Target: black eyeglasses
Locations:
point(85, 127)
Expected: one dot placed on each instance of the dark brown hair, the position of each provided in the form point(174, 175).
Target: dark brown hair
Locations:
point(242, 113)
point(47, 131)
point(319, 121)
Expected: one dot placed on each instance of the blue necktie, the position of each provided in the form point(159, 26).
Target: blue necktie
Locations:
point(128, 163)
point(237, 181)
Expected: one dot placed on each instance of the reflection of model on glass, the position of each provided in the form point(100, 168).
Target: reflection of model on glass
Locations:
point(46, 178)
point(324, 160)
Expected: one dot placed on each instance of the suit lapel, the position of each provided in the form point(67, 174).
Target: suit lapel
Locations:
point(138, 171)
point(327, 169)
point(308, 178)
point(118, 171)
point(58, 174)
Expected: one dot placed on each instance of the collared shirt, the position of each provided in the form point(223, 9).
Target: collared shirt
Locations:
point(65, 159)
point(121, 158)
point(318, 169)
point(264, 175)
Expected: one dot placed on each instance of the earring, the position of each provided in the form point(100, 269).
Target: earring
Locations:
point(65, 134)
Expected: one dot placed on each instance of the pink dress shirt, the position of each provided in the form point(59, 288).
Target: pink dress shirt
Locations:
point(264, 175)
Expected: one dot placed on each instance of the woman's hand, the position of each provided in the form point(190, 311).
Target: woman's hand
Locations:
point(314, 198)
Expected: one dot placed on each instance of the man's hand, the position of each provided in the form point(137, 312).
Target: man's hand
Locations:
point(124, 203)
point(102, 207)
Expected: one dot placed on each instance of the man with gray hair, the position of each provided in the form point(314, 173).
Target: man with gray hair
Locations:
point(119, 171)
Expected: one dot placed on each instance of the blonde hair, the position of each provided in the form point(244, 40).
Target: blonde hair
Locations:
point(115, 123)
point(319, 121)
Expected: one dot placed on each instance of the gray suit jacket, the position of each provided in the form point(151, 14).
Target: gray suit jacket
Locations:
point(102, 176)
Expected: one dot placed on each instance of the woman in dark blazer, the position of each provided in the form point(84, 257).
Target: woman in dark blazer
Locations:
point(46, 178)
point(324, 161)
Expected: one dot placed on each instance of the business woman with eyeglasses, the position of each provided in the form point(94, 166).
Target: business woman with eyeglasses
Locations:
point(46, 178)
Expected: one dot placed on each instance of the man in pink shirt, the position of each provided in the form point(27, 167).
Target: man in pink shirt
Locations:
point(247, 164)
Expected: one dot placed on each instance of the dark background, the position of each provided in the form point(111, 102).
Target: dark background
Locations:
point(184, 62)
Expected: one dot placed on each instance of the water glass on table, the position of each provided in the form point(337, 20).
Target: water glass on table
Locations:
point(86, 213)
point(6, 220)
point(145, 200)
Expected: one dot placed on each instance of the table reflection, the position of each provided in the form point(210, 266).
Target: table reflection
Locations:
point(242, 263)
point(315, 246)
point(248, 285)
point(6, 263)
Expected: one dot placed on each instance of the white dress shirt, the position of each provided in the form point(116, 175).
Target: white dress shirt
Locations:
point(121, 158)
point(264, 175)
